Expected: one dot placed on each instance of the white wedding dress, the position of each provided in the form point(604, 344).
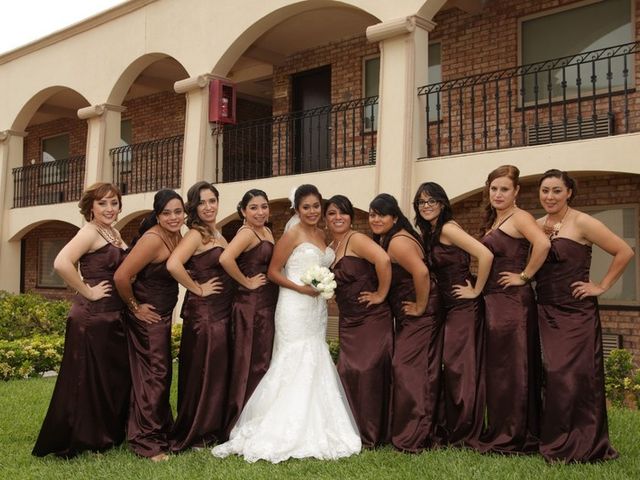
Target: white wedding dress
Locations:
point(299, 408)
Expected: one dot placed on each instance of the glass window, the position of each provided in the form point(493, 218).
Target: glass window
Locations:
point(55, 149)
point(126, 133)
point(623, 222)
point(48, 249)
point(371, 89)
point(435, 76)
point(568, 32)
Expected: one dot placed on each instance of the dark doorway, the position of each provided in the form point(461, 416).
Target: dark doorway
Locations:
point(311, 124)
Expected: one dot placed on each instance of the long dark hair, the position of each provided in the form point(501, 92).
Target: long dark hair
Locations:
point(247, 197)
point(193, 200)
point(568, 181)
point(385, 204)
point(510, 171)
point(431, 235)
point(160, 200)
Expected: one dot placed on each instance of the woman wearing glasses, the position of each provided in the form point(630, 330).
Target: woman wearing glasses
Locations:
point(449, 248)
point(151, 294)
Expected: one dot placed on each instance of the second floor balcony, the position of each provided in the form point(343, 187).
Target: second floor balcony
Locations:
point(586, 95)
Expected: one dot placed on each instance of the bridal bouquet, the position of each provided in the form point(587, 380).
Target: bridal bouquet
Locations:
point(321, 279)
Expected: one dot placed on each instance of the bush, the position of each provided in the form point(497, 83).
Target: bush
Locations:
point(27, 314)
point(176, 334)
point(30, 357)
point(619, 377)
point(334, 349)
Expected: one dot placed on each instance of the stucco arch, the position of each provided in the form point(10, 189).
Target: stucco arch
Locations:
point(269, 21)
point(132, 71)
point(430, 7)
point(25, 114)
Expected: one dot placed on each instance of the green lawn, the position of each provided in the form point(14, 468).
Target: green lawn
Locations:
point(23, 404)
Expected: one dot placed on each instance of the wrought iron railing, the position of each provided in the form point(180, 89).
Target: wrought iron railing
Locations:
point(324, 138)
point(48, 182)
point(148, 166)
point(578, 96)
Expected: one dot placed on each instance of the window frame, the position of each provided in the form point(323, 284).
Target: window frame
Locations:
point(62, 174)
point(372, 128)
point(39, 270)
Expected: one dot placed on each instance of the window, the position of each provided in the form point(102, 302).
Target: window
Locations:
point(55, 152)
point(371, 89)
point(126, 139)
point(591, 26)
point(435, 76)
point(623, 222)
point(48, 249)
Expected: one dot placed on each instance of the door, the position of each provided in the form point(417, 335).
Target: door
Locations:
point(311, 128)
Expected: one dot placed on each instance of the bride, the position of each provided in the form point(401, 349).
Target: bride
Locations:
point(299, 408)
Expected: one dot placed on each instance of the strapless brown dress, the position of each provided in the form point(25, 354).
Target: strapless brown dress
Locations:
point(203, 363)
point(574, 415)
point(366, 346)
point(417, 365)
point(150, 417)
point(512, 360)
point(88, 409)
point(253, 330)
point(461, 416)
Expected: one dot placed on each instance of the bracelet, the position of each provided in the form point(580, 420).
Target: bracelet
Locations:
point(133, 304)
point(524, 277)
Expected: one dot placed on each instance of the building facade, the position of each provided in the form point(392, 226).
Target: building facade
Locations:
point(358, 97)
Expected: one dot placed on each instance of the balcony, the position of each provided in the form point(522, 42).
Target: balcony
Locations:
point(148, 166)
point(335, 136)
point(48, 182)
point(585, 95)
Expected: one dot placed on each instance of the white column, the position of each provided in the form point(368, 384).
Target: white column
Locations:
point(404, 45)
point(103, 134)
point(11, 152)
point(198, 153)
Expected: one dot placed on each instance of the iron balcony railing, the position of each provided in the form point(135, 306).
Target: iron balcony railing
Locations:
point(325, 138)
point(578, 96)
point(148, 166)
point(48, 182)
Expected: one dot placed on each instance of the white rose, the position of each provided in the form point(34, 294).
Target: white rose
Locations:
point(326, 295)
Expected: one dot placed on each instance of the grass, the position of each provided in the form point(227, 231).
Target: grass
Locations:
point(23, 404)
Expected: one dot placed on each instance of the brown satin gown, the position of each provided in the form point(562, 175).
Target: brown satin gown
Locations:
point(512, 359)
point(574, 416)
point(416, 365)
point(203, 363)
point(88, 409)
point(253, 330)
point(150, 417)
point(366, 345)
point(461, 416)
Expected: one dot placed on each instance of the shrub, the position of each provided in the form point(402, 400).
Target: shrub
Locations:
point(30, 357)
point(619, 376)
point(27, 314)
point(334, 349)
point(176, 334)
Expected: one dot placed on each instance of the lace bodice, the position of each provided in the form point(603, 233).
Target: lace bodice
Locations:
point(303, 257)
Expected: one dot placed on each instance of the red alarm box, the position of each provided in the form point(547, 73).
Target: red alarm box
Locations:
point(222, 101)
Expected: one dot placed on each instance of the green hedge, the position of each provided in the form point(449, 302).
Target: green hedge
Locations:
point(28, 314)
point(30, 357)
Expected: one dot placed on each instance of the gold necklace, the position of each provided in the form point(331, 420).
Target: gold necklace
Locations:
point(552, 230)
point(108, 233)
point(339, 242)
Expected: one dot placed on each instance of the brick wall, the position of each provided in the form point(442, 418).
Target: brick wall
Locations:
point(601, 190)
point(156, 116)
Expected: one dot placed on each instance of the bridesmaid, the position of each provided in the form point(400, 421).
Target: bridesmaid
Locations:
point(417, 352)
point(88, 410)
point(512, 347)
point(151, 299)
point(246, 260)
point(448, 249)
point(203, 371)
point(574, 416)
point(363, 273)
